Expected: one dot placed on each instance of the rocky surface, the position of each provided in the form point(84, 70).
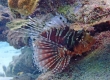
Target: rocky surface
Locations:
point(22, 63)
point(5, 16)
point(3, 2)
point(26, 76)
point(85, 11)
point(17, 39)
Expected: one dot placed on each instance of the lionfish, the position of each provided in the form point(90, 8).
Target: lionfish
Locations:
point(55, 46)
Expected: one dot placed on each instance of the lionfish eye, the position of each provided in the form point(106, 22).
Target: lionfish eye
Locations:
point(60, 17)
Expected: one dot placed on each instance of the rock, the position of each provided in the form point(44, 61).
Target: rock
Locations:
point(26, 76)
point(47, 76)
point(17, 38)
point(5, 16)
point(22, 63)
point(23, 77)
point(3, 2)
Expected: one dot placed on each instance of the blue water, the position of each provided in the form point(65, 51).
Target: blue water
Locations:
point(6, 54)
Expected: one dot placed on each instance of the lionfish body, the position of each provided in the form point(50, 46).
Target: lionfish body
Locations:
point(55, 46)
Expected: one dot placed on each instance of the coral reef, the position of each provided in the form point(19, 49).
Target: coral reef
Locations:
point(95, 28)
point(89, 63)
point(85, 11)
point(36, 7)
point(51, 6)
point(25, 7)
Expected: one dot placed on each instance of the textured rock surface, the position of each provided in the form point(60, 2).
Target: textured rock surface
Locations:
point(26, 76)
point(3, 2)
point(17, 39)
point(5, 16)
point(86, 11)
point(22, 63)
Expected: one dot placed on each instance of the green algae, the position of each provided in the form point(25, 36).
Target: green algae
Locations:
point(15, 24)
point(64, 9)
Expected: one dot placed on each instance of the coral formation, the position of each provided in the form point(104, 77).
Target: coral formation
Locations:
point(85, 11)
point(24, 7)
point(36, 7)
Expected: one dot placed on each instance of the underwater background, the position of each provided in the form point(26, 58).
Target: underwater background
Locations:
point(6, 54)
point(54, 40)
